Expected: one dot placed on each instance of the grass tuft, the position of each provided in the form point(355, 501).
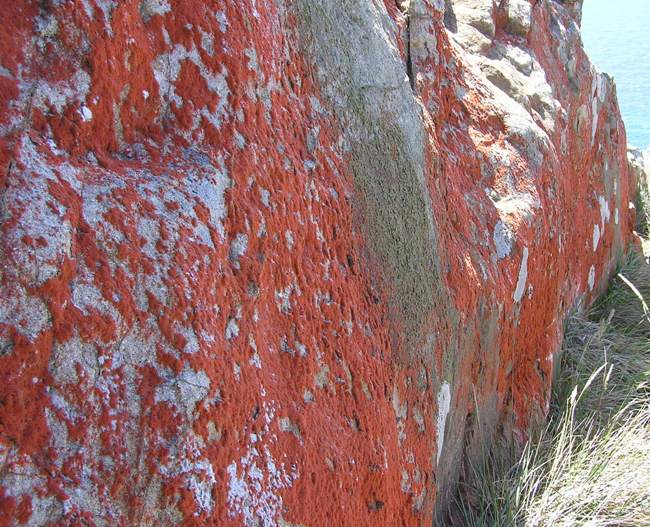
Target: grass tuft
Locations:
point(627, 298)
point(590, 465)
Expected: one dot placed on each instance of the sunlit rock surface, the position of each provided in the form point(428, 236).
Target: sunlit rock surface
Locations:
point(639, 167)
point(292, 262)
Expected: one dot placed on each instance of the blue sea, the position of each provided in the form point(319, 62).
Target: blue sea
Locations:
point(616, 34)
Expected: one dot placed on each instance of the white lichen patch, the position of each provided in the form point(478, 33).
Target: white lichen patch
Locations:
point(444, 404)
point(255, 482)
point(503, 239)
point(58, 95)
point(232, 329)
point(198, 473)
point(253, 63)
point(150, 8)
point(591, 279)
point(283, 298)
point(253, 491)
point(596, 237)
point(401, 411)
point(86, 114)
point(605, 214)
point(594, 122)
point(207, 42)
point(238, 248)
point(599, 93)
point(523, 276)
point(222, 20)
point(288, 236)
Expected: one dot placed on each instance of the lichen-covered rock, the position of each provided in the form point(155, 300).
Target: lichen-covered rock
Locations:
point(293, 262)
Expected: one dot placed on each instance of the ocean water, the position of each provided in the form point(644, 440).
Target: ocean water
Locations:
point(616, 34)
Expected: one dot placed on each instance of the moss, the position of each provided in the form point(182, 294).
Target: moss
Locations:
point(391, 202)
point(396, 223)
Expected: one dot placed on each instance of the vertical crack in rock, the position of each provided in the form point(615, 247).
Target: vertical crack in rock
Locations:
point(409, 59)
point(450, 17)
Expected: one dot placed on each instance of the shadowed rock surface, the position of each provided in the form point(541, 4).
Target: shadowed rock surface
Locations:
point(293, 262)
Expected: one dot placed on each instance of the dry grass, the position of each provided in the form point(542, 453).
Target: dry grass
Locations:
point(590, 466)
point(625, 300)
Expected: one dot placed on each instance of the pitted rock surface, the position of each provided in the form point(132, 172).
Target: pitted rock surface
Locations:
point(293, 262)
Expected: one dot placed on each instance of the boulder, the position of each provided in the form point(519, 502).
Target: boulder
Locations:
point(289, 263)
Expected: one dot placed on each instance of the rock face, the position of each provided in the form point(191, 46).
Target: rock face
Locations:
point(292, 262)
point(639, 167)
